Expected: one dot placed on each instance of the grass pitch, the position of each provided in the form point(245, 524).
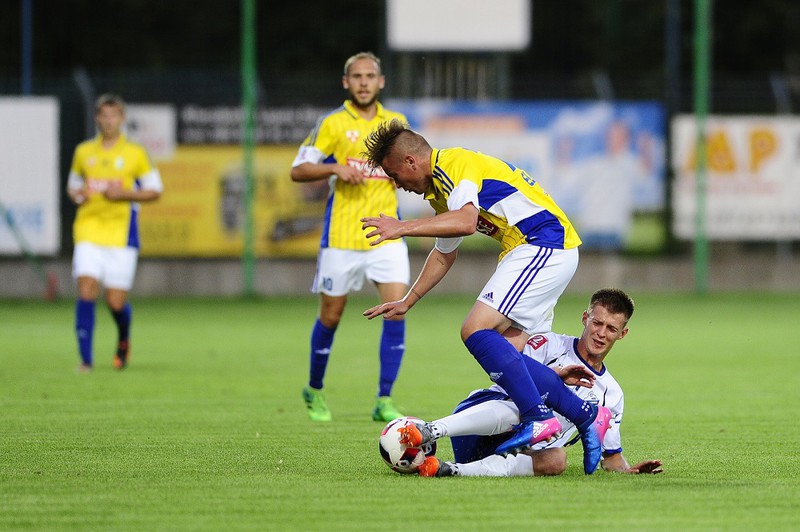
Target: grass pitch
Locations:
point(207, 431)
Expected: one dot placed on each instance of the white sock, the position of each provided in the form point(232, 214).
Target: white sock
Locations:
point(520, 465)
point(484, 419)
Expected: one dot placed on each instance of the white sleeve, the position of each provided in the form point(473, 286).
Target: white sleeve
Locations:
point(151, 181)
point(308, 154)
point(448, 245)
point(465, 192)
point(74, 181)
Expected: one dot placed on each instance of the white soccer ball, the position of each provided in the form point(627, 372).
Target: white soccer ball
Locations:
point(400, 457)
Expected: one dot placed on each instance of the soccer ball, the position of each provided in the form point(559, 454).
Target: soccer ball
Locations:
point(400, 457)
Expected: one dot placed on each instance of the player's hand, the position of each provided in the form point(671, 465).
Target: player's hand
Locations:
point(386, 228)
point(648, 467)
point(115, 192)
point(348, 174)
point(576, 375)
point(388, 310)
point(78, 196)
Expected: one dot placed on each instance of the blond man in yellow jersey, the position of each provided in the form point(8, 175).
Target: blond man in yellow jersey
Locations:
point(473, 192)
point(109, 175)
point(332, 151)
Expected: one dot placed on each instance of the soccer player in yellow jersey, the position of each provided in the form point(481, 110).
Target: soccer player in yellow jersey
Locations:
point(473, 192)
point(332, 151)
point(109, 175)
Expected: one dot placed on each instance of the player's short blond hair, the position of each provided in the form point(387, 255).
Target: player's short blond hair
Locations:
point(108, 98)
point(361, 55)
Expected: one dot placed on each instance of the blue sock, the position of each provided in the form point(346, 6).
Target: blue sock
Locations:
point(123, 320)
point(556, 394)
point(392, 349)
point(321, 342)
point(84, 329)
point(506, 367)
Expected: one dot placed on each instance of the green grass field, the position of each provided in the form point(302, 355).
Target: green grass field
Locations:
point(207, 431)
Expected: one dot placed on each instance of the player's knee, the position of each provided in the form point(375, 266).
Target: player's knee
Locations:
point(549, 462)
point(330, 312)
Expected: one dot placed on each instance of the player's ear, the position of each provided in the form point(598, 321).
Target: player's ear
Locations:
point(381, 82)
point(623, 333)
point(345, 84)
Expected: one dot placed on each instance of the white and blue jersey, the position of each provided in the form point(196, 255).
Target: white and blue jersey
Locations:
point(555, 351)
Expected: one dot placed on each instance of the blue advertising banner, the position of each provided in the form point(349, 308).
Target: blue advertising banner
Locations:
point(603, 162)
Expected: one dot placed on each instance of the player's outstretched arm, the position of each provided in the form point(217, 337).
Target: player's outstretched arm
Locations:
point(616, 462)
point(436, 267)
point(450, 224)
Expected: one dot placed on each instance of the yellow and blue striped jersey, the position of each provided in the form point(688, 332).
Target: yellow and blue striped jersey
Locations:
point(339, 137)
point(514, 209)
point(101, 221)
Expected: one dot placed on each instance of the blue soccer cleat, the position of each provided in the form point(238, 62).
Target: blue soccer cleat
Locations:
point(592, 433)
point(528, 434)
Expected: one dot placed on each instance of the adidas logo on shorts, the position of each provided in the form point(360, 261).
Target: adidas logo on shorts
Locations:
point(488, 296)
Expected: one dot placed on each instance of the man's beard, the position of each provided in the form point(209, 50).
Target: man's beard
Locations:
point(363, 105)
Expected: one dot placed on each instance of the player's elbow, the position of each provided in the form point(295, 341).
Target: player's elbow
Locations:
point(299, 173)
point(468, 228)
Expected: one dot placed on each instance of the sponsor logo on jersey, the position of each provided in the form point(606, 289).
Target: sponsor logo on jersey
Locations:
point(352, 135)
point(537, 340)
point(368, 171)
point(486, 227)
point(101, 185)
point(488, 296)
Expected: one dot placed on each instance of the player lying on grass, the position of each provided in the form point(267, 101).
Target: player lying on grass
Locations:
point(485, 418)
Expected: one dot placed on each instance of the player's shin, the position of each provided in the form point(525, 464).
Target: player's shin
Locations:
point(391, 354)
point(321, 342)
point(505, 366)
point(559, 397)
point(123, 320)
point(84, 329)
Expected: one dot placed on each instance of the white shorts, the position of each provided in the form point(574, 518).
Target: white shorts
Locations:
point(341, 271)
point(527, 284)
point(113, 267)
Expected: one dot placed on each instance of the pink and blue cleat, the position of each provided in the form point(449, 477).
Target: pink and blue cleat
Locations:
point(592, 435)
point(528, 434)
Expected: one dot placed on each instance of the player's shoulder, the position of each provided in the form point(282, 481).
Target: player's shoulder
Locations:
point(86, 146)
point(131, 144)
point(610, 380)
point(333, 118)
point(135, 149)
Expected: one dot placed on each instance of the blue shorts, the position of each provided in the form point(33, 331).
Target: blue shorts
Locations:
point(474, 447)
